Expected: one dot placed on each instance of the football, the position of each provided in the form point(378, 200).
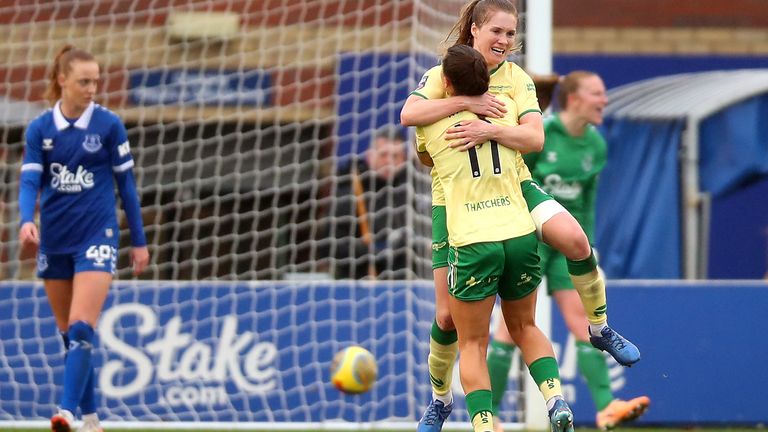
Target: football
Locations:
point(354, 370)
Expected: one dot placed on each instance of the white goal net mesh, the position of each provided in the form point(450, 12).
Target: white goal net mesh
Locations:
point(249, 123)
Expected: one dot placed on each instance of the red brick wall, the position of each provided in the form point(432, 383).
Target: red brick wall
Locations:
point(660, 13)
point(264, 12)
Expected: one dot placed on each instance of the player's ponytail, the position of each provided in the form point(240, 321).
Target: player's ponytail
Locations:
point(477, 12)
point(61, 64)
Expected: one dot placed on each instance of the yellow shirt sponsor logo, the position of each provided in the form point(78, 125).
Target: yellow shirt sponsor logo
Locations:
point(500, 201)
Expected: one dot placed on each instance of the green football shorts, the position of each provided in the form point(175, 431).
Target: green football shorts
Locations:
point(555, 268)
point(509, 268)
point(439, 237)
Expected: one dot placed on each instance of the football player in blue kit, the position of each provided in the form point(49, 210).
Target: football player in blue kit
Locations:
point(74, 155)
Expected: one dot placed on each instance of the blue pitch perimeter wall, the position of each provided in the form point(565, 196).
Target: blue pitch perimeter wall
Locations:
point(261, 352)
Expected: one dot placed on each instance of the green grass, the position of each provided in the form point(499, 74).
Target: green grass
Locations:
point(649, 429)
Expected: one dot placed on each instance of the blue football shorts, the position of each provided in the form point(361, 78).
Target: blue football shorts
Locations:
point(99, 254)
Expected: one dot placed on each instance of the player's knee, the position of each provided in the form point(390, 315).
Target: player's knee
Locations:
point(444, 320)
point(517, 329)
point(578, 247)
point(80, 331)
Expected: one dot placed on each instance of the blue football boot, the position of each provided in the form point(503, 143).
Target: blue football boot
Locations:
point(624, 351)
point(561, 417)
point(434, 417)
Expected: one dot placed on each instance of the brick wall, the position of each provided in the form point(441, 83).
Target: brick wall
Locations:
point(736, 27)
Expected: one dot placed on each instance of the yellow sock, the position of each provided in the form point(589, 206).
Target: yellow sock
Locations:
point(550, 388)
point(483, 422)
point(591, 289)
point(441, 361)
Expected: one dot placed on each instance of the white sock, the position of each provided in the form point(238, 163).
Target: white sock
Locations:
point(597, 329)
point(446, 399)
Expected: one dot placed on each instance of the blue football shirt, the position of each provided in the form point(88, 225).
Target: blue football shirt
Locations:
point(77, 161)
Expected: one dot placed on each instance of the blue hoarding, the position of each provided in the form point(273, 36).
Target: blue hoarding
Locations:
point(203, 87)
point(261, 352)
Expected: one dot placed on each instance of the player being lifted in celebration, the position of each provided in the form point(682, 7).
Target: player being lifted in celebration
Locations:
point(490, 26)
point(492, 249)
point(73, 156)
point(568, 167)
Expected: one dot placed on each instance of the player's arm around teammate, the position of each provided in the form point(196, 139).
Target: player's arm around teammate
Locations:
point(74, 155)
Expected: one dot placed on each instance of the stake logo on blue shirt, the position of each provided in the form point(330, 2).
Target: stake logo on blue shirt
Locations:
point(65, 181)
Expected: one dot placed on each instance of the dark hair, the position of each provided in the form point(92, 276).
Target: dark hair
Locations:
point(465, 69)
point(478, 12)
point(569, 85)
point(390, 132)
point(61, 64)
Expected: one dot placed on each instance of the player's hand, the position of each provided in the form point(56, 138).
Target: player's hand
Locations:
point(486, 105)
point(139, 259)
point(468, 133)
point(28, 235)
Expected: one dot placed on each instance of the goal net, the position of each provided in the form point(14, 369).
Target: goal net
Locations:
point(249, 123)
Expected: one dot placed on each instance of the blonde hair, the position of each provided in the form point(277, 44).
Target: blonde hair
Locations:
point(62, 64)
point(569, 85)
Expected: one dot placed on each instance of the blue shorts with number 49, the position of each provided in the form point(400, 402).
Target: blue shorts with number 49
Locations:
point(99, 254)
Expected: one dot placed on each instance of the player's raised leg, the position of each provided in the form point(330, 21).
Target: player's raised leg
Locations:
point(563, 233)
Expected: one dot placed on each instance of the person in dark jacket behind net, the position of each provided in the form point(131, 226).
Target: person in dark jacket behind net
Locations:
point(369, 212)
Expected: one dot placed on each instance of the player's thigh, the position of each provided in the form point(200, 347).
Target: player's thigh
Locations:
point(89, 291)
point(59, 293)
point(442, 308)
point(473, 319)
point(555, 268)
point(519, 314)
point(521, 274)
point(563, 232)
point(474, 270)
point(95, 264)
point(500, 333)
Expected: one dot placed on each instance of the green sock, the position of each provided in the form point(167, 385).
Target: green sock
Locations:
point(546, 375)
point(594, 369)
point(443, 347)
point(582, 267)
point(499, 363)
point(479, 408)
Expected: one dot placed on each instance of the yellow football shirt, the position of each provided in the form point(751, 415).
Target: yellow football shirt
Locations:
point(483, 198)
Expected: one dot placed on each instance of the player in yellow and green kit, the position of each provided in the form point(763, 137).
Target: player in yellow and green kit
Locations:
point(574, 154)
point(492, 250)
point(489, 26)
